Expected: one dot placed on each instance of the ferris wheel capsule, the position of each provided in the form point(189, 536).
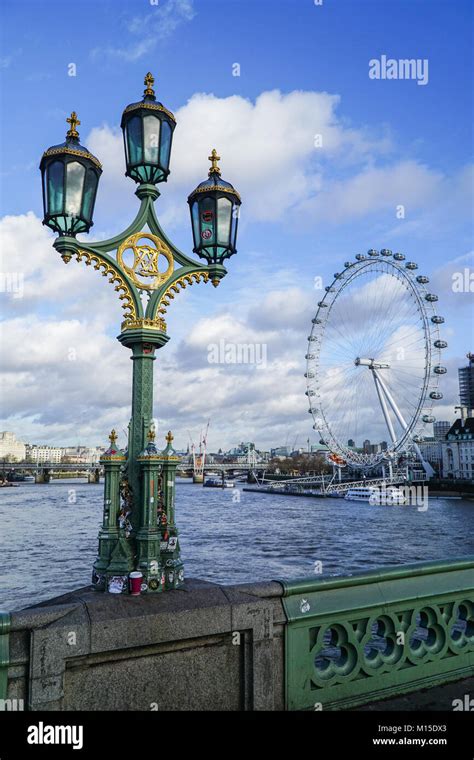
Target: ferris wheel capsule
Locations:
point(422, 279)
point(440, 344)
point(322, 305)
point(428, 418)
point(347, 264)
point(316, 321)
point(436, 395)
point(360, 257)
point(411, 265)
point(437, 320)
point(431, 297)
point(372, 252)
point(310, 357)
point(386, 252)
point(309, 375)
point(399, 257)
point(439, 370)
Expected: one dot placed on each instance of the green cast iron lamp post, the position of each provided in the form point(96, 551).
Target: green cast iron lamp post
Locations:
point(139, 530)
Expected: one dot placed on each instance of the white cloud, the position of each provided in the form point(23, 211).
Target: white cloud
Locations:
point(268, 153)
point(267, 150)
point(148, 29)
point(374, 189)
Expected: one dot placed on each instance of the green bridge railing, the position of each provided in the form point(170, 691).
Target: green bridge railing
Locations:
point(360, 638)
point(4, 653)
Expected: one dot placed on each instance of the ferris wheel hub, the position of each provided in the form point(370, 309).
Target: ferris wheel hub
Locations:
point(371, 363)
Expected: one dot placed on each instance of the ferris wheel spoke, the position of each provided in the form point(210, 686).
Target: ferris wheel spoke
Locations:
point(404, 401)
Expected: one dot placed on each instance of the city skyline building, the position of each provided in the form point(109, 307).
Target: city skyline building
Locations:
point(441, 429)
point(466, 385)
point(458, 450)
point(11, 447)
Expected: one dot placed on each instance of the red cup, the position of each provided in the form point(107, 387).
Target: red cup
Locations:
point(135, 583)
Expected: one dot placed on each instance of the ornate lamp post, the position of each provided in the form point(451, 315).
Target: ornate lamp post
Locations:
point(139, 530)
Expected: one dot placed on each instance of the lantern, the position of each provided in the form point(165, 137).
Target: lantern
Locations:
point(214, 206)
point(70, 176)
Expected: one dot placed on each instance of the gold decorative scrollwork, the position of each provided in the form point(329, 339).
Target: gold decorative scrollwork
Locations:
point(121, 286)
point(144, 271)
point(187, 279)
point(149, 324)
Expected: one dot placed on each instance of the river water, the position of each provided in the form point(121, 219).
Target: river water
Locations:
point(48, 536)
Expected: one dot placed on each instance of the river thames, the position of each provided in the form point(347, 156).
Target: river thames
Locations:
point(49, 536)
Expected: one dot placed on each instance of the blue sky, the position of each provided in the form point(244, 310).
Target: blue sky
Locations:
point(305, 210)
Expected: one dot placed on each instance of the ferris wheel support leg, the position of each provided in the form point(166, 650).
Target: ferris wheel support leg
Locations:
point(383, 404)
point(426, 465)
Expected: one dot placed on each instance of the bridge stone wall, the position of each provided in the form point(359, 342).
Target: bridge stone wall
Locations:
point(339, 642)
point(205, 647)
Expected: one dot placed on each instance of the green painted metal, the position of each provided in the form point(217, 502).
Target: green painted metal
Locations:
point(147, 545)
point(357, 639)
point(170, 547)
point(5, 623)
point(138, 529)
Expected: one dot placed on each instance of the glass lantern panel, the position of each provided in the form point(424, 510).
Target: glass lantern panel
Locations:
point(224, 216)
point(151, 133)
point(165, 145)
point(207, 214)
point(235, 221)
point(125, 144)
point(195, 217)
point(45, 197)
point(75, 174)
point(55, 187)
point(134, 137)
point(89, 194)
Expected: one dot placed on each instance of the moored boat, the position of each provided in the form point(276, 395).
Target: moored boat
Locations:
point(375, 495)
point(218, 483)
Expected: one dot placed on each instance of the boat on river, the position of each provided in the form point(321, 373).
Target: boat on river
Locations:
point(18, 477)
point(383, 495)
point(218, 483)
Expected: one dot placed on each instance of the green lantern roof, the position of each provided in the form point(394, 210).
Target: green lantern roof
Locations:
point(71, 146)
point(214, 181)
point(149, 102)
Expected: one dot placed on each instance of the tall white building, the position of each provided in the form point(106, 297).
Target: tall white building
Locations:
point(11, 447)
point(41, 454)
point(458, 450)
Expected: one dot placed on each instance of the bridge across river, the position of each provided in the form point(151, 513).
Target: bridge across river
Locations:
point(44, 471)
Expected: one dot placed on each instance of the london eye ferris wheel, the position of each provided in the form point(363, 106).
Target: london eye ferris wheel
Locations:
point(373, 360)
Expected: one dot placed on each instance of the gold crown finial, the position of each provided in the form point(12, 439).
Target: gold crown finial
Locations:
point(73, 121)
point(214, 158)
point(169, 437)
point(149, 81)
point(151, 434)
point(113, 438)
